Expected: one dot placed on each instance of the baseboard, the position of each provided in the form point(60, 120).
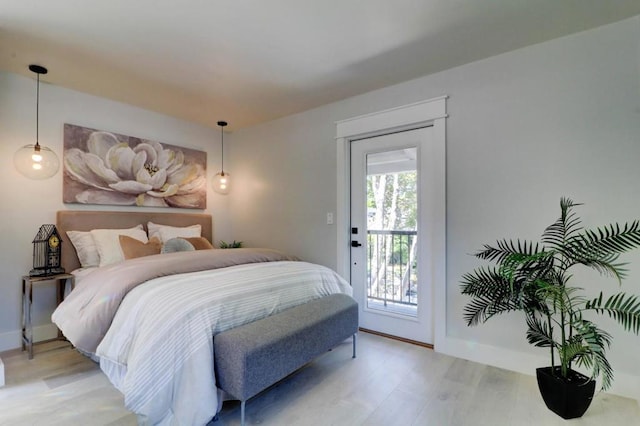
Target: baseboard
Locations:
point(13, 339)
point(624, 384)
point(401, 339)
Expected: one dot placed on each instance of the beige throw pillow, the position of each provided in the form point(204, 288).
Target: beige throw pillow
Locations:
point(200, 243)
point(132, 248)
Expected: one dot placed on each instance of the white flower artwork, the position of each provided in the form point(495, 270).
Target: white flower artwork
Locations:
point(108, 168)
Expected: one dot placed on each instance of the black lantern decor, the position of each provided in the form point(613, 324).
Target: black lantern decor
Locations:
point(47, 250)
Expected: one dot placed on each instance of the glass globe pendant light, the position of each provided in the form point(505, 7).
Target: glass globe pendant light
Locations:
point(36, 161)
point(222, 181)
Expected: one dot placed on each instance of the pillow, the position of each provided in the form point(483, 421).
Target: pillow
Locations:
point(85, 248)
point(165, 232)
point(108, 242)
point(132, 248)
point(199, 243)
point(177, 244)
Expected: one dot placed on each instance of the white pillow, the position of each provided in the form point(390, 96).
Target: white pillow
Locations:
point(165, 232)
point(108, 242)
point(85, 248)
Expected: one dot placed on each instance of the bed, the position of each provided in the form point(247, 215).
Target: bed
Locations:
point(149, 321)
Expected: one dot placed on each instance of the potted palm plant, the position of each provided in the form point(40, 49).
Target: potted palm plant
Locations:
point(225, 245)
point(535, 278)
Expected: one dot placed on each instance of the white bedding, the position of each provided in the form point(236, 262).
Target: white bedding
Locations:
point(86, 315)
point(159, 351)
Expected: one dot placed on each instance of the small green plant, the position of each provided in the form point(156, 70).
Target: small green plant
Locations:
point(534, 278)
point(226, 245)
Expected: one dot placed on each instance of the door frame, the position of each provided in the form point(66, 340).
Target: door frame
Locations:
point(420, 114)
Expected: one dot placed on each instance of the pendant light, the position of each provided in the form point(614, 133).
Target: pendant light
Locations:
point(36, 161)
point(221, 181)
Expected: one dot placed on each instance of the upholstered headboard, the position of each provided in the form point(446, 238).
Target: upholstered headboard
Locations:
point(69, 220)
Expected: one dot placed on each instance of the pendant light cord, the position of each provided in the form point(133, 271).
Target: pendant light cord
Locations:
point(38, 111)
point(222, 138)
point(222, 124)
point(37, 69)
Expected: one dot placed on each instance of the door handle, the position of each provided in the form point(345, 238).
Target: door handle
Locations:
point(355, 244)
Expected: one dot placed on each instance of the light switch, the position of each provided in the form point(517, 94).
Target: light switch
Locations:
point(329, 218)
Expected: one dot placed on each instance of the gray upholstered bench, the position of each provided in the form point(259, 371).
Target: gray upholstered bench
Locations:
point(252, 357)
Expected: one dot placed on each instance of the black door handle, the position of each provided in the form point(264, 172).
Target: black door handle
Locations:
point(355, 244)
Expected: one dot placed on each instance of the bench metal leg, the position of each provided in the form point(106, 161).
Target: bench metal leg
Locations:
point(242, 403)
point(354, 346)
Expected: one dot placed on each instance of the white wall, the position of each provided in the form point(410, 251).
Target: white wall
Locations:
point(27, 204)
point(556, 119)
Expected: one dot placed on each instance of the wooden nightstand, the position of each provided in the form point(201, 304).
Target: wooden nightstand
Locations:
point(27, 298)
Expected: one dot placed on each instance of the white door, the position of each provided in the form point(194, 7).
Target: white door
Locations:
point(390, 224)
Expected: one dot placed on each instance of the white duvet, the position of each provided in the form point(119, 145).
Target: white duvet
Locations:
point(158, 350)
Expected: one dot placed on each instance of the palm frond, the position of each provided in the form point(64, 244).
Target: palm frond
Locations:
point(483, 281)
point(574, 351)
point(539, 333)
point(591, 333)
point(566, 204)
point(613, 238)
point(491, 295)
point(566, 226)
point(507, 248)
point(559, 298)
point(480, 309)
point(597, 341)
point(579, 251)
point(604, 369)
point(528, 267)
point(599, 366)
point(623, 308)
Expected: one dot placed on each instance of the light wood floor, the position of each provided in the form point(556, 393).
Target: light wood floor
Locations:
point(390, 383)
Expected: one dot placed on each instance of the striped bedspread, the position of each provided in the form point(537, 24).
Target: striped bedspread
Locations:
point(159, 352)
point(86, 314)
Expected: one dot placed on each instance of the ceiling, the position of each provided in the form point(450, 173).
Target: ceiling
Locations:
point(252, 61)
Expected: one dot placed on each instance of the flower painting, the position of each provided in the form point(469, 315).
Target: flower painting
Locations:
point(108, 168)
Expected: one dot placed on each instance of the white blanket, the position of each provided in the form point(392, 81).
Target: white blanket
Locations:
point(159, 350)
point(85, 316)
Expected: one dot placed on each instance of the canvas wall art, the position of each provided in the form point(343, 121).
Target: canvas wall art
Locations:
point(103, 167)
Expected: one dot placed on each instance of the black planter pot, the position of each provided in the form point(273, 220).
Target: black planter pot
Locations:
point(569, 398)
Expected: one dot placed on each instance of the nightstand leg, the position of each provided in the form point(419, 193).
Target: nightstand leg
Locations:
point(29, 324)
point(27, 328)
point(24, 313)
point(60, 285)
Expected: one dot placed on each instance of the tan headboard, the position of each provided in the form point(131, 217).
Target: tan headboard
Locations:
point(69, 220)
